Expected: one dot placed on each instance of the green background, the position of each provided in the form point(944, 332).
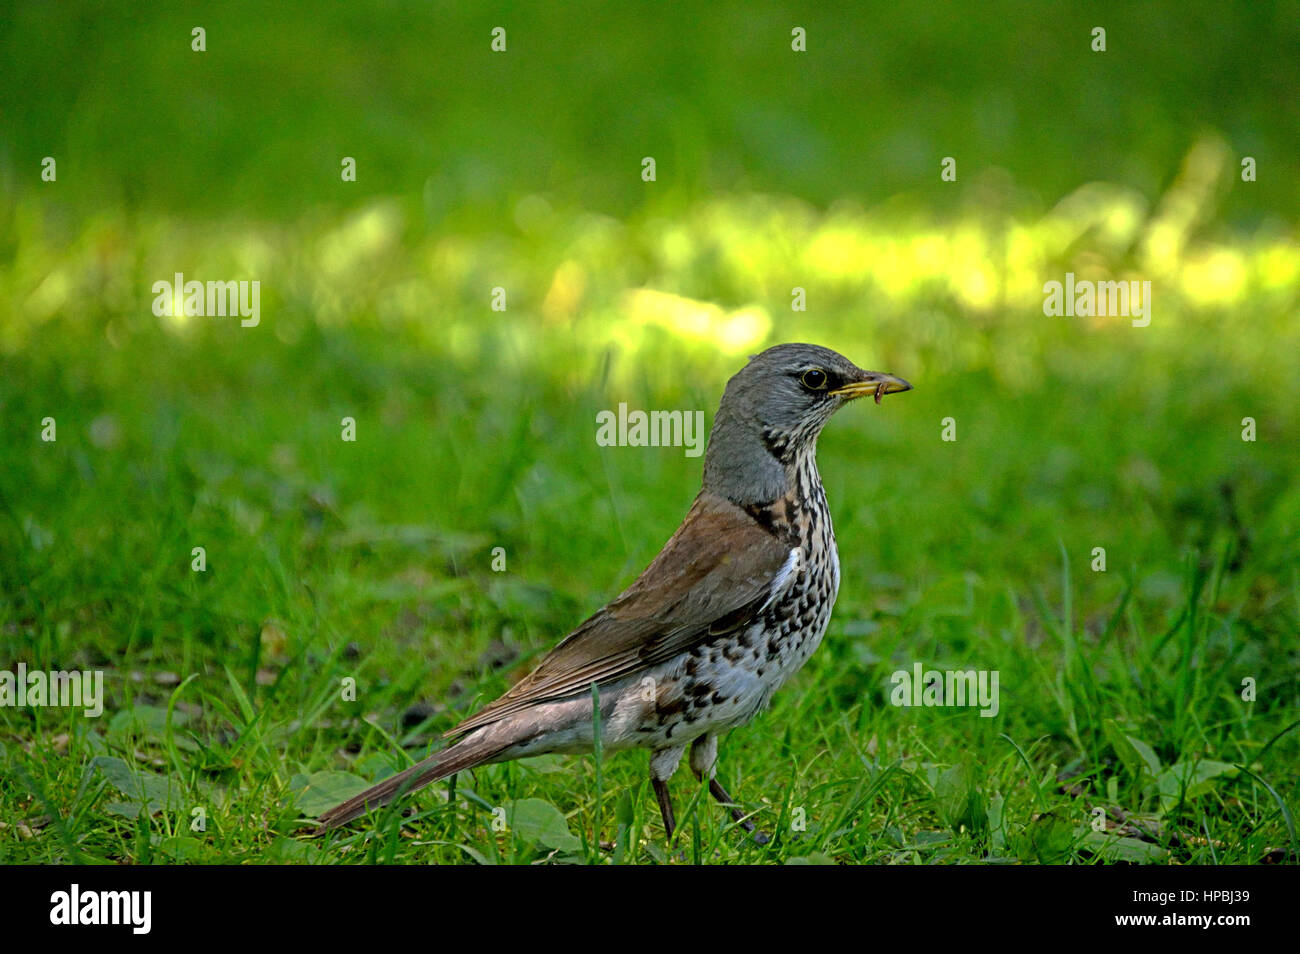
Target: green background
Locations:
point(1121, 690)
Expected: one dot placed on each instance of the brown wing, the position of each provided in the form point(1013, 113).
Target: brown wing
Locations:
point(711, 577)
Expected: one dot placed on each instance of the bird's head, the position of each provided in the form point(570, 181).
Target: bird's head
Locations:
point(772, 411)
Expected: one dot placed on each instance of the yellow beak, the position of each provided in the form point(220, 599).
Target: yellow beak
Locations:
point(874, 382)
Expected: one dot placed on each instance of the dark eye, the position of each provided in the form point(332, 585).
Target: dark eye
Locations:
point(814, 379)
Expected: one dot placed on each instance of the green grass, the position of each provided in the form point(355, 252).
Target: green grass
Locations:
point(372, 561)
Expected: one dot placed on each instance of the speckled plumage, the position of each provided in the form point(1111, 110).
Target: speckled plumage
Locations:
point(733, 606)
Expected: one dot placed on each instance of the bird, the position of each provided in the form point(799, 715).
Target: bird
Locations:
point(735, 603)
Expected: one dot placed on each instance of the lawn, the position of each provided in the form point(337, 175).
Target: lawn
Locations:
point(1105, 514)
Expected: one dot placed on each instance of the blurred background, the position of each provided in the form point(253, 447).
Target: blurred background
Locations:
point(475, 428)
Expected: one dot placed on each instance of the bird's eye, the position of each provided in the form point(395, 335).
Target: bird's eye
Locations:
point(814, 379)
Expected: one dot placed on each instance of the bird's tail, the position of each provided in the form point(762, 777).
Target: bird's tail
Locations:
point(476, 749)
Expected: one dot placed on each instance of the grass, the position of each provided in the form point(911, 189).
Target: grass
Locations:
point(353, 605)
point(372, 561)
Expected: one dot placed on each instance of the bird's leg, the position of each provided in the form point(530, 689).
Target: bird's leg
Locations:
point(715, 788)
point(665, 806)
point(704, 760)
point(662, 766)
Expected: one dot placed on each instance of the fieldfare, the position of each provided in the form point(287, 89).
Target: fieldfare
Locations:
point(729, 610)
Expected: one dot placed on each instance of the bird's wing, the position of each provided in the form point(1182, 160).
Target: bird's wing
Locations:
point(717, 572)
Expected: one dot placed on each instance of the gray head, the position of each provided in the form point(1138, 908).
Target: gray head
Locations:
point(771, 413)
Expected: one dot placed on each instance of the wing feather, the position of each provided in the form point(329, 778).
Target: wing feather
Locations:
point(719, 569)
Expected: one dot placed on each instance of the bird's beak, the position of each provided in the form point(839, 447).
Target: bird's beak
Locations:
point(873, 382)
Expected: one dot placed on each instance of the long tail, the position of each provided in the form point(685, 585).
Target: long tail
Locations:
point(469, 752)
